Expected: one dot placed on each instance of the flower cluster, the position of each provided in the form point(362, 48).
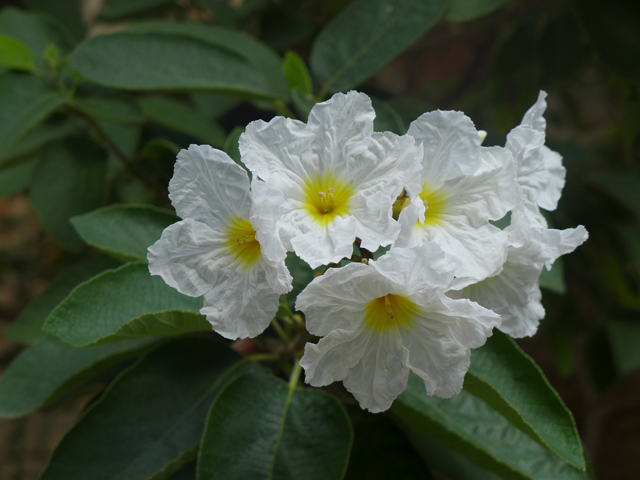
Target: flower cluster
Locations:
point(320, 187)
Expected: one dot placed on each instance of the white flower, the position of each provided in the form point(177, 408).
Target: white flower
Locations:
point(515, 292)
point(464, 186)
point(539, 169)
point(383, 319)
point(223, 249)
point(338, 178)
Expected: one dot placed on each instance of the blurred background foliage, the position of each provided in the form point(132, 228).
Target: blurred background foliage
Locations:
point(89, 119)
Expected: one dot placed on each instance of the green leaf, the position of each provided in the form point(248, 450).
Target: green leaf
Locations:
point(212, 105)
point(302, 275)
point(149, 422)
point(119, 9)
point(66, 11)
point(26, 100)
point(182, 117)
point(366, 36)
point(50, 369)
point(553, 279)
point(68, 180)
point(112, 108)
point(465, 10)
point(124, 231)
point(623, 187)
point(37, 32)
point(123, 303)
point(55, 128)
point(380, 451)
point(260, 428)
point(16, 178)
point(15, 54)
point(614, 27)
point(509, 381)
point(183, 57)
point(27, 328)
point(296, 73)
point(467, 425)
point(265, 62)
point(387, 119)
point(232, 147)
point(624, 336)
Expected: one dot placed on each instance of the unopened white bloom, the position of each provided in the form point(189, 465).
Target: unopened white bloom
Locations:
point(383, 319)
point(539, 169)
point(223, 248)
point(464, 186)
point(338, 178)
point(515, 292)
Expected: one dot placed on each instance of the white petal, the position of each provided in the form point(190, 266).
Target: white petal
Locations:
point(241, 304)
point(188, 257)
point(451, 144)
point(534, 118)
point(342, 126)
point(375, 225)
point(327, 245)
point(382, 373)
point(337, 299)
point(209, 187)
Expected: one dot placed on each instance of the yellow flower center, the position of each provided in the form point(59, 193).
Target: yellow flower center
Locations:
point(390, 311)
point(327, 197)
point(435, 204)
point(241, 241)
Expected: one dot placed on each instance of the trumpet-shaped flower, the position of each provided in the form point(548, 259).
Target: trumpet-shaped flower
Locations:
point(338, 178)
point(388, 317)
point(464, 186)
point(223, 248)
point(515, 292)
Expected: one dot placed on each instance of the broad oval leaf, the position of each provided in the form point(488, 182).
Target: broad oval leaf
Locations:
point(124, 303)
point(366, 36)
point(296, 74)
point(111, 108)
point(66, 11)
point(185, 57)
point(68, 180)
point(119, 9)
point(149, 422)
point(26, 101)
point(124, 231)
point(465, 10)
point(51, 368)
point(27, 328)
point(260, 428)
point(182, 117)
point(15, 54)
point(509, 381)
point(17, 177)
point(469, 426)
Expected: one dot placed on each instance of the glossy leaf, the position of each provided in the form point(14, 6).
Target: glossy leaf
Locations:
point(124, 231)
point(265, 62)
point(465, 10)
point(182, 117)
point(124, 303)
point(296, 73)
point(78, 167)
point(366, 36)
point(149, 422)
point(27, 328)
point(185, 57)
point(260, 428)
point(509, 381)
point(51, 368)
point(37, 31)
point(469, 426)
point(15, 54)
point(232, 147)
point(26, 101)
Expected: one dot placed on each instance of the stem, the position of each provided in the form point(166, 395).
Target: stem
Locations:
point(264, 357)
point(281, 333)
point(113, 146)
point(295, 374)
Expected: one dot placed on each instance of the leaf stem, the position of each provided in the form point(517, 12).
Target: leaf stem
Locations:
point(264, 357)
point(295, 374)
point(281, 333)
